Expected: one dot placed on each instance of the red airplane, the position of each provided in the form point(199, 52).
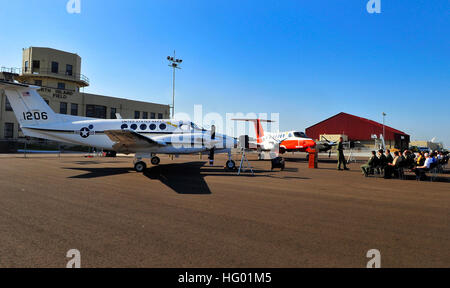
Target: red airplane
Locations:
point(289, 141)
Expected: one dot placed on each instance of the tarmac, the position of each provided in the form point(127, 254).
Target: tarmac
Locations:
point(185, 213)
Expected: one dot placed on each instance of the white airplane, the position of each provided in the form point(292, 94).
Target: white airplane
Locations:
point(145, 138)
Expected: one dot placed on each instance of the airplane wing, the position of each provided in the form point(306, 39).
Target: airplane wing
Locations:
point(127, 140)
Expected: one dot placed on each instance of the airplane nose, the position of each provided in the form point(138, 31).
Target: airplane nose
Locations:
point(310, 143)
point(229, 142)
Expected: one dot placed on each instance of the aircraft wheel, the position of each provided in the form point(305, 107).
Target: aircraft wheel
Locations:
point(140, 166)
point(155, 160)
point(230, 165)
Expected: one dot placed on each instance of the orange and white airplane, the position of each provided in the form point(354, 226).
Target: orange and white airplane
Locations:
point(289, 141)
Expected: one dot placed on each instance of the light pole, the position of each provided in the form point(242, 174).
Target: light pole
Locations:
point(174, 63)
point(384, 140)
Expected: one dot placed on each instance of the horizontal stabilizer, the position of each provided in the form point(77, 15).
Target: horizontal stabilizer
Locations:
point(252, 120)
point(12, 85)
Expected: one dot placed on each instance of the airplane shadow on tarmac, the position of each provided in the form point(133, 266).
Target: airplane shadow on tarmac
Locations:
point(183, 178)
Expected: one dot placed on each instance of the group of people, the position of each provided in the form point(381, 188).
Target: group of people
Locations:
point(383, 161)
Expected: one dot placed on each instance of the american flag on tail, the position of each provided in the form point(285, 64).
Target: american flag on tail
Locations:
point(26, 93)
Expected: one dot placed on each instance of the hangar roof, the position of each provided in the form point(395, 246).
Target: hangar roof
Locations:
point(358, 127)
point(371, 122)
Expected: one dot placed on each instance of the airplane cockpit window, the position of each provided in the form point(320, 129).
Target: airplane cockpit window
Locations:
point(162, 126)
point(290, 135)
point(124, 126)
point(185, 127)
point(195, 127)
point(300, 135)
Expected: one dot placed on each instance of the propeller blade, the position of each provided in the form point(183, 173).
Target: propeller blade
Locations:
point(211, 156)
point(213, 132)
point(213, 148)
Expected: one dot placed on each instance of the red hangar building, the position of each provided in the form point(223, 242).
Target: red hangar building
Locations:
point(358, 129)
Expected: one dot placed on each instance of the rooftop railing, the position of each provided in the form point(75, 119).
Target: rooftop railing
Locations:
point(46, 72)
point(10, 70)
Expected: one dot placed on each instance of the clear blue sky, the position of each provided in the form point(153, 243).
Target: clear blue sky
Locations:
point(305, 59)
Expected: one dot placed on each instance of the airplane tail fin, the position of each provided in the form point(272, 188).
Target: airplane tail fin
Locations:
point(28, 106)
point(258, 127)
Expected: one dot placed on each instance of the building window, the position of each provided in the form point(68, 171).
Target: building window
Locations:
point(63, 108)
point(27, 66)
point(113, 113)
point(9, 130)
point(96, 111)
point(55, 67)
point(38, 82)
point(74, 109)
point(7, 105)
point(69, 70)
point(137, 114)
point(61, 86)
point(152, 115)
point(145, 115)
point(36, 65)
point(160, 116)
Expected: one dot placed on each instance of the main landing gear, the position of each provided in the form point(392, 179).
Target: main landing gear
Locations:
point(155, 160)
point(230, 165)
point(140, 166)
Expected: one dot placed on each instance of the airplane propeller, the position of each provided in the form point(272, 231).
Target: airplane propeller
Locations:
point(212, 150)
point(331, 143)
point(328, 144)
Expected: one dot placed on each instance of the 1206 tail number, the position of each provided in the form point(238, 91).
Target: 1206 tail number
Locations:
point(35, 116)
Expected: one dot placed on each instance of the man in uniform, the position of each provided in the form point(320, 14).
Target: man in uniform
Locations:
point(340, 154)
point(372, 163)
point(389, 157)
point(382, 161)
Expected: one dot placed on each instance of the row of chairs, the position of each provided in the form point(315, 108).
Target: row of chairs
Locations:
point(435, 169)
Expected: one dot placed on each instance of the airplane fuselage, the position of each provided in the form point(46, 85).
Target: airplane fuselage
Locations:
point(144, 137)
point(170, 132)
point(291, 141)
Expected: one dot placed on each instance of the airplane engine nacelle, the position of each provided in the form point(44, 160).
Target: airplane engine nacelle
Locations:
point(269, 146)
